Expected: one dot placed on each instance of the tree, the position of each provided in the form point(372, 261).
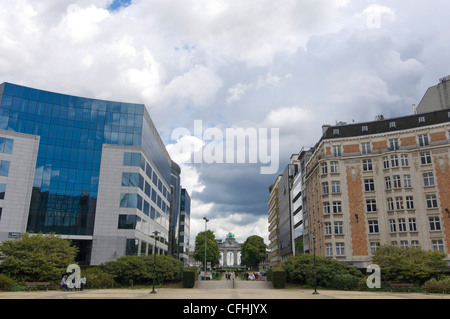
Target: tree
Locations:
point(408, 265)
point(253, 251)
point(212, 248)
point(36, 257)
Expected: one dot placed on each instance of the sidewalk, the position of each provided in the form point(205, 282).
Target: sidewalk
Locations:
point(217, 293)
point(218, 289)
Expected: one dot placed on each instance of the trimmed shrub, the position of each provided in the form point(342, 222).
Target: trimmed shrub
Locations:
point(345, 282)
point(97, 278)
point(189, 277)
point(278, 277)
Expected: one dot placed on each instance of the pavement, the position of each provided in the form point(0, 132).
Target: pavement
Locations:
point(222, 289)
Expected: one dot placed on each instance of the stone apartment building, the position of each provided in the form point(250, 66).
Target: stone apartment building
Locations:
point(377, 183)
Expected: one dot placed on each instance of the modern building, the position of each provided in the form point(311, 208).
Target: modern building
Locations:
point(184, 229)
point(274, 255)
point(90, 170)
point(385, 182)
point(436, 97)
point(299, 201)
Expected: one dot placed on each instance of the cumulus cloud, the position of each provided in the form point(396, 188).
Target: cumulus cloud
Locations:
point(294, 65)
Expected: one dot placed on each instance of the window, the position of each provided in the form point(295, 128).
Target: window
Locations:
point(373, 247)
point(407, 181)
point(371, 205)
point(127, 221)
point(392, 226)
point(6, 145)
point(334, 167)
point(327, 226)
point(390, 204)
point(335, 187)
point(435, 223)
point(393, 144)
point(392, 125)
point(325, 189)
point(422, 119)
point(396, 181)
point(399, 203)
point(131, 200)
point(412, 224)
point(337, 207)
point(329, 249)
point(431, 201)
point(385, 162)
point(326, 208)
point(335, 131)
point(367, 165)
point(428, 179)
point(409, 202)
point(364, 128)
point(365, 148)
point(423, 140)
point(401, 225)
point(438, 245)
point(415, 243)
point(338, 228)
point(387, 181)
point(369, 185)
point(404, 244)
point(131, 159)
point(4, 168)
point(404, 160)
point(340, 249)
point(133, 180)
point(337, 150)
point(425, 158)
point(324, 168)
point(2, 191)
point(394, 160)
point(373, 226)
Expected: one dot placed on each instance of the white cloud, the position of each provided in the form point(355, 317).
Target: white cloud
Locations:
point(235, 93)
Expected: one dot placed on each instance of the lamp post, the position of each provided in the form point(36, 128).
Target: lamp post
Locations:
point(315, 275)
point(206, 222)
point(154, 263)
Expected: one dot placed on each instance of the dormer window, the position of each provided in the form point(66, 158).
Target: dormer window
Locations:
point(392, 125)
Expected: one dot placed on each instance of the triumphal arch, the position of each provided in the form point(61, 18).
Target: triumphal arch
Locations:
point(230, 251)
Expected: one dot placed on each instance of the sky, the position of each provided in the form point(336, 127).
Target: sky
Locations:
point(276, 69)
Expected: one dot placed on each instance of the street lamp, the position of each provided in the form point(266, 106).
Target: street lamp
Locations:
point(154, 263)
point(315, 276)
point(206, 221)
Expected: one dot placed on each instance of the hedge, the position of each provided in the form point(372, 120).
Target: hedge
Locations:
point(189, 277)
point(278, 277)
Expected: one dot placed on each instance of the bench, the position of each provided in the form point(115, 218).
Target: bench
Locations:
point(401, 285)
point(37, 284)
point(439, 287)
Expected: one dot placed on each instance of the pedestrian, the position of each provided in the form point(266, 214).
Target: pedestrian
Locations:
point(63, 283)
point(82, 282)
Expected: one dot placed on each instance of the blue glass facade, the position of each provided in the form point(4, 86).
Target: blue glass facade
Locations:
point(72, 131)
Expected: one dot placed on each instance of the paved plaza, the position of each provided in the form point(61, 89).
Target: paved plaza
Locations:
point(234, 290)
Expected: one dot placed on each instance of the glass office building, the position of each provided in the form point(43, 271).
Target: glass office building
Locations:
point(97, 172)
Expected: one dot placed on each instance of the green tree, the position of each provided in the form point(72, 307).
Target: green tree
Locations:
point(413, 265)
point(253, 251)
point(36, 257)
point(212, 248)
